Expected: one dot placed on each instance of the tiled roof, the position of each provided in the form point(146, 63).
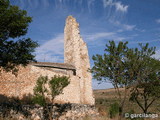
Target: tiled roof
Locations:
point(54, 65)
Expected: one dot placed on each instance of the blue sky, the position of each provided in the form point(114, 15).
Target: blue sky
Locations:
point(135, 21)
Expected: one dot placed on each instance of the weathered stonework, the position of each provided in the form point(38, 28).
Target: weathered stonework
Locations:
point(76, 53)
point(76, 67)
point(58, 111)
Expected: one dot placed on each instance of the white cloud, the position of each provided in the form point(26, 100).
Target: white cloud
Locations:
point(107, 3)
point(128, 27)
point(123, 26)
point(158, 21)
point(146, 41)
point(99, 35)
point(120, 38)
point(118, 5)
point(51, 51)
point(32, 4)
point(157, 55)
point(97, 39)
point(120, 30)
point(140, 30)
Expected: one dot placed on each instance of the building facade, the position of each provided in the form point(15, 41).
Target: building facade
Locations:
point(75, 66)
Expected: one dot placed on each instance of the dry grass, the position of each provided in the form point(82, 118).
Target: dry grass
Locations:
point(104, 98)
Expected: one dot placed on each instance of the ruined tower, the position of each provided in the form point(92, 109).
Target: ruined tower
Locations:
point(76, 53)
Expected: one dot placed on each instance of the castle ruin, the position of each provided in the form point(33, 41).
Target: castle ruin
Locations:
point(76, 65)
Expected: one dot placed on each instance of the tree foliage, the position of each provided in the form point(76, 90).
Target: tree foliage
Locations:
point(128, 68)
point(13, 25)
point(146, 89)
point(57, 84)
point(112, 67)
point(40, 90)
point(55, 87)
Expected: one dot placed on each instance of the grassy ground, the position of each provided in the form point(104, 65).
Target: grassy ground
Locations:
point(104, 99)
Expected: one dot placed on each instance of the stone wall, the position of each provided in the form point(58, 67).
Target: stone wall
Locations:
point(76, 53)
point(23, 84)
point(54, 112)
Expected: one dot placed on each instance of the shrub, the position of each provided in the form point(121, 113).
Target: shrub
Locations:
point(113, 110)
point(56, 85)
point(39, 99)
point(40, 90)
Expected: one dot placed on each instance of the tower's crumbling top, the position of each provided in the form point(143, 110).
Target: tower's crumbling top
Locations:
point(71, 21)
point(73, 43)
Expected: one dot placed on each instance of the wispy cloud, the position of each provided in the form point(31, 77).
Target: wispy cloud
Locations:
point(120, 7)
point(123, 26)
point(51, 51)
point(117, 4)
point(146, 41)
point(33, 4)
point(157, 55)
point(140, 30)
point(128, 27)
point(107, 3)
point(90, 4)
point(99, 35)
point(98, 38)
point(158, 21)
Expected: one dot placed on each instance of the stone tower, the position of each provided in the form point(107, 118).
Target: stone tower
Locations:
point(76, 53)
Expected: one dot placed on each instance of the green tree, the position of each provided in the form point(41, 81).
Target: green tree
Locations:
point(126, 67)
point(112, 67)
point(146, 88)
point(40, 90)
point(55, 87)
point(13, 25)
point(57, 84)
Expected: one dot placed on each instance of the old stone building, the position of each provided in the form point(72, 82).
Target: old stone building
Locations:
point(76, 64)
